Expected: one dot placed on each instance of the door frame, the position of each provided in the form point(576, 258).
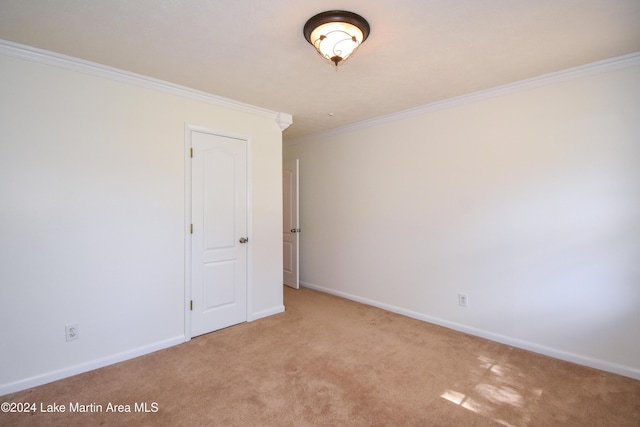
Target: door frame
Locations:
point(188, 130)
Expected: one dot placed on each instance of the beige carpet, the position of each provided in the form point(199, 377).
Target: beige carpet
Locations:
point(332, 362)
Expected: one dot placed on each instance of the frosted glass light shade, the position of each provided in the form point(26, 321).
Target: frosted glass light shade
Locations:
point(336, 34)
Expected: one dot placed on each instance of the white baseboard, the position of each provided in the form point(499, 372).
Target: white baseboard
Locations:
point(110, 360)
point(87, 366)
point(514, 342)
point(266, 313)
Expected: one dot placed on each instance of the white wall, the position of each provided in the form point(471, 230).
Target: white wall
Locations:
point(92, 219)
point(529, 202)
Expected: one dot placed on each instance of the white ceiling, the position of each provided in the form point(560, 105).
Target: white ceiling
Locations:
point(253, 51)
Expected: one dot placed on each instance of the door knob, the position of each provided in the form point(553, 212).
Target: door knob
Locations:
point(243, 240)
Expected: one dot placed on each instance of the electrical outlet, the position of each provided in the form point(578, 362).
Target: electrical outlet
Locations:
point(463, 300)
point(72, 332)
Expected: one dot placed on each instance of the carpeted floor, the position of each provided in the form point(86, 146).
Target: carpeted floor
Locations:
point(327, 361)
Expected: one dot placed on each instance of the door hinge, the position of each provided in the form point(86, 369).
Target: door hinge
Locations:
point(191, 305)
point(191, 229)
point(191, 152)
point(295, 230)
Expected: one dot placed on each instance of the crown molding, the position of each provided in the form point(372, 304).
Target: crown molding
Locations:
point(594, 68)
point(284, 120)
point(29, 53)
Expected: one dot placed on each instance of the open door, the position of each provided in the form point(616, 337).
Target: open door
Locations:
point(290, 227)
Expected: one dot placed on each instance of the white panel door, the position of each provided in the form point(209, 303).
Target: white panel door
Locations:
point(219, 239)
point(291, 226)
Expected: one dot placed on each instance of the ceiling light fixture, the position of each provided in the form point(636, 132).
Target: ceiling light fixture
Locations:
point(336, 34)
